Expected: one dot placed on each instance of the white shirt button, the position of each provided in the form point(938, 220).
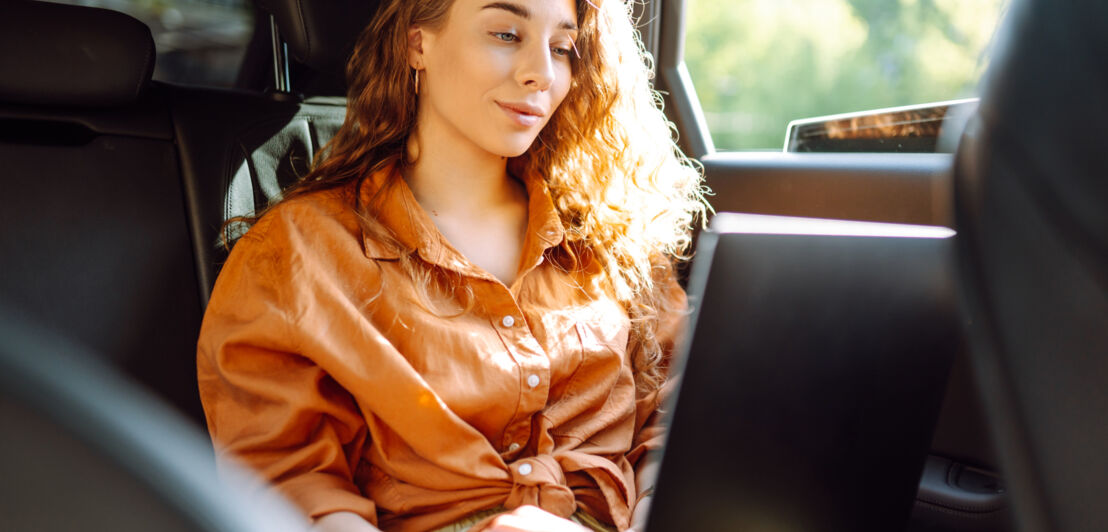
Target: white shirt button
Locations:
point(533, 380)
point(507, 321)
point(513, 447)
point(525, 469)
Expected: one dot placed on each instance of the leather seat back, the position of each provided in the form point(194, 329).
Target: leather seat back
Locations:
point(1031, 199)
point(238, 152)
point(94, 239)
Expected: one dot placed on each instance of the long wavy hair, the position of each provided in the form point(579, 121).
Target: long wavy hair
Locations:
point(625, 193)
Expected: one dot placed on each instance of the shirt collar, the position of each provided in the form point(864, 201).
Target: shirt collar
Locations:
point(396, 208)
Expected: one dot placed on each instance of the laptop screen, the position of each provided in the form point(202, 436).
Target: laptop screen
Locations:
point(812, 378)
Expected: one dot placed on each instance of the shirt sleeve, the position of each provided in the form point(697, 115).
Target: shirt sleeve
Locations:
point(267, 404)
point(649, 433)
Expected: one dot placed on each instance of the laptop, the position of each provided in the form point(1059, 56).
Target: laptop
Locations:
point(812, 379)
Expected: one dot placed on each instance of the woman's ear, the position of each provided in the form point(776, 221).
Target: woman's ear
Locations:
point(415, 47)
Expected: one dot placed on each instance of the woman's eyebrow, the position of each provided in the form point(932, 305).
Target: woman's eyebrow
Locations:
point(524, 13)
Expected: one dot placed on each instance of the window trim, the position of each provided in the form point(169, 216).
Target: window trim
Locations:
point(681, 102)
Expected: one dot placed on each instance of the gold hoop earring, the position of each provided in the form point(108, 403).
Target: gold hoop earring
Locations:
point(415, 74)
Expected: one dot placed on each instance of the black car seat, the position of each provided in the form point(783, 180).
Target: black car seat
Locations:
point(1031, 208)
point(240, 149)
point(117, 186)
point(84, 449)
point(92, 226)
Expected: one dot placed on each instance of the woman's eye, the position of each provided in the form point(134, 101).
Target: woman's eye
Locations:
point(564, 52)
point(505, 36)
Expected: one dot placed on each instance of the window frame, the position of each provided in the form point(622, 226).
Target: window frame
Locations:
point(666, 28)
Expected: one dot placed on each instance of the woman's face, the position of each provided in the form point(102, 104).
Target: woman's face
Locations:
point(495, 72)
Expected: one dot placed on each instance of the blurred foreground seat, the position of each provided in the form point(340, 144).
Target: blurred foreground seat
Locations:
point(1031, 194)
point(81, 448)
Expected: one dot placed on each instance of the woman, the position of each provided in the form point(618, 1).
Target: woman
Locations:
point(459, 318)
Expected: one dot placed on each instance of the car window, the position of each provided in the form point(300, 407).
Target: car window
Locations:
point(756, 65)
point(199, 42)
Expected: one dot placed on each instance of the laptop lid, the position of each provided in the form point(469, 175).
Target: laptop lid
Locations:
point(811, 383)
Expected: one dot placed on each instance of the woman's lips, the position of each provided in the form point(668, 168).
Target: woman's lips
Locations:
point(522, 114)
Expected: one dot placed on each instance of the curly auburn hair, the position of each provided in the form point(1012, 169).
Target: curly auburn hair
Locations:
point(625, 193)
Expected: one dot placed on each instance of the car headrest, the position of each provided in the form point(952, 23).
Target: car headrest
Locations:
point(1043, 105)
point(57, 54)
point(321, 33)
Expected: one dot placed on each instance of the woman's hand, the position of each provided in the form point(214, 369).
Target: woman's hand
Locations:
point(532, 519)
point(343, 522)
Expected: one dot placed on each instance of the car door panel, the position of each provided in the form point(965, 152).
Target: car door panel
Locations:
point(895, 188)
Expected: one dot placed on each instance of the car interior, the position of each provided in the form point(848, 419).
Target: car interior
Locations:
point(118, 186)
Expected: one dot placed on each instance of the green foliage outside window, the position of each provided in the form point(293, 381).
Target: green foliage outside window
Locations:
point(757, 64)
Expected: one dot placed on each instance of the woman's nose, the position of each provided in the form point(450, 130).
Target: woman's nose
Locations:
point(536, 70)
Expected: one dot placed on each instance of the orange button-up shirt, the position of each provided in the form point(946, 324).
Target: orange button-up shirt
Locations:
point(322, 368)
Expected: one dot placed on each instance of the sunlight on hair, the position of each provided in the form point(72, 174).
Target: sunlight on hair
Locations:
point(626, 194)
